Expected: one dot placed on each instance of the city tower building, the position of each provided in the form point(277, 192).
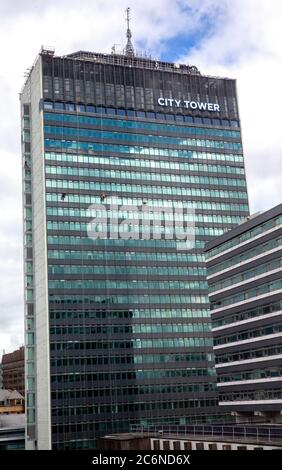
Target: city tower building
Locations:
point(123, 157)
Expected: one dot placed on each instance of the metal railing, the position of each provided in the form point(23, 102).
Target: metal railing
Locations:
point(247, 432)
point(140, 61)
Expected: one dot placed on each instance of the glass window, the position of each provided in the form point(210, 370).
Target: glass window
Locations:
point(26, 109)
point(169, 117)
point(198, 120)
point(30, 413)
point(207, 121)
point(225, 122)
point(69, 106)
point(30, 353)
point(140, 114)
point(179, 117)
point(59, 105)
point(121, 112)
point(234, 124)
point(216, 122)
point(30, 399)
point(130, 112)
point(80, 108)
point(29, 295)
point(111, 111)
point(160, 116)
point(48, 105)
point(188, 119)
point(90, 109)
point(30, 368)
point(101, 110)
point(151, 115)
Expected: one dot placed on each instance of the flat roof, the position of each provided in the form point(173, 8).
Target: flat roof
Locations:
point(195, 437)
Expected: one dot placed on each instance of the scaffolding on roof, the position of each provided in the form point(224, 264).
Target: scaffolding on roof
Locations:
point(141, 61)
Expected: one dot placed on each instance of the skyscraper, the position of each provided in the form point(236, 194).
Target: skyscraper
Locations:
point(118, 326)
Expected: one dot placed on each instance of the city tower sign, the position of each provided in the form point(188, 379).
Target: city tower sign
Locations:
point(189, 104)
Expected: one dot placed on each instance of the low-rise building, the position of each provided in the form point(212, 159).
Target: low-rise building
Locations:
point(12, 431)
point(204, 437)
point(11, 401)
point(13, 370)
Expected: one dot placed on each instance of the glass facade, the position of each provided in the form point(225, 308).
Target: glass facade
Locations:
point(244, 273)
point(128, 313)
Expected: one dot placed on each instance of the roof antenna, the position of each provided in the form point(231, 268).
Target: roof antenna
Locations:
point(129, 50)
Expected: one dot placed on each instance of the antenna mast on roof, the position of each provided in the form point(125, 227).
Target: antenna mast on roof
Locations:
point(129, 50)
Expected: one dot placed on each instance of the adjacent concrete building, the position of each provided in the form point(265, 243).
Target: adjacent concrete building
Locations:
point(12, 431)
point(244, 276)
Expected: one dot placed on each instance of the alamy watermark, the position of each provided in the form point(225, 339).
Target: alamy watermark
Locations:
point(144, 222)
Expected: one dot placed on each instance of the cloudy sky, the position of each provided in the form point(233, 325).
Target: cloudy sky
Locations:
point(231, 38)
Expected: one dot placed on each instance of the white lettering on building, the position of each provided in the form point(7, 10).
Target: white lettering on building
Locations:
point(202, 106)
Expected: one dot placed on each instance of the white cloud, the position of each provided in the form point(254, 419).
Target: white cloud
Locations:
point(245, 44)
point(240, 38)
point(69, 26)
point(11, 299)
